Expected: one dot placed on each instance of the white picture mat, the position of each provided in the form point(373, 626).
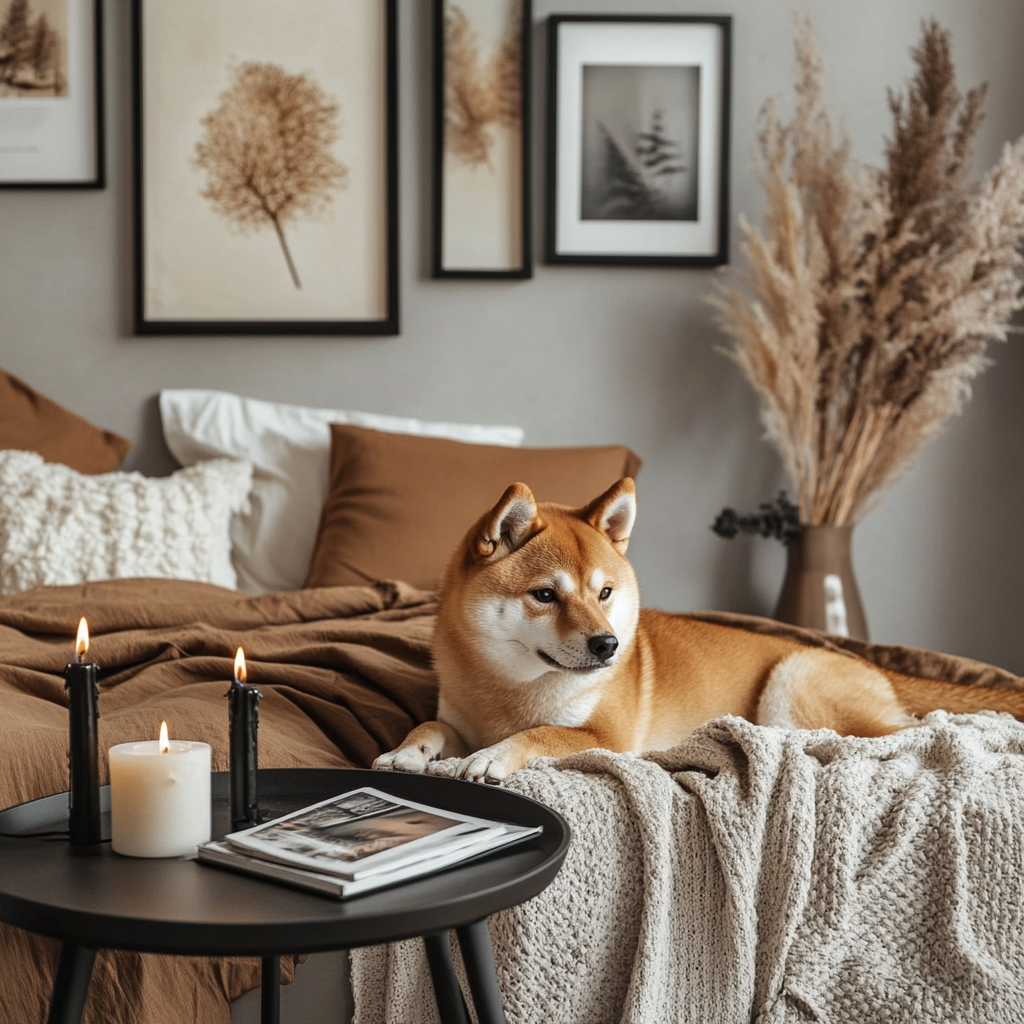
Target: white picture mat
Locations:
point(52, 139)
point(653, 43)
point(197, 266)
point(482, 206)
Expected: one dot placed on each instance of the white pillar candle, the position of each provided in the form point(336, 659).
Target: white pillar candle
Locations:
point(159, 798)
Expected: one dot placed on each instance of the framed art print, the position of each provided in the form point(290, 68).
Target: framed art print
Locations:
point(266, 174)
point(51, 94)
point(638, 147)
point(481, 168)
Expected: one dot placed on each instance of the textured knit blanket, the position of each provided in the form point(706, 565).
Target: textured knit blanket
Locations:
point(758, 875)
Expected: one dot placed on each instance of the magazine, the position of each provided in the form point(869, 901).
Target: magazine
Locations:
point(360, 840)
point(227, 856)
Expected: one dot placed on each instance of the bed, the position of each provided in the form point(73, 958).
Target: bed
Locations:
point(741, 875)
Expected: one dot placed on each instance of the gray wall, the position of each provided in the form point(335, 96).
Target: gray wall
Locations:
point(581, 355)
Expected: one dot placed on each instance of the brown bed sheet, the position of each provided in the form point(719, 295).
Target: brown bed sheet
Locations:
point(344, 671)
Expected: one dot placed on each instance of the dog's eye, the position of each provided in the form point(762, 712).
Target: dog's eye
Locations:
point(545, 595)
point(605, 594)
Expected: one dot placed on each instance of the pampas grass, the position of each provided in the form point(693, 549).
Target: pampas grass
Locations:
point(478, 96)
point(872, 294)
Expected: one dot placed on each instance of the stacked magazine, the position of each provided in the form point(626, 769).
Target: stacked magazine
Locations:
point(359, 841)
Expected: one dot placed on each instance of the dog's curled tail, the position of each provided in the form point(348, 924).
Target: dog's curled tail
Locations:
point(919, 696)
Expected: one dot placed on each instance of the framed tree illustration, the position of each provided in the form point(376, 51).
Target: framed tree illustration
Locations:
point(51, 94)
point(638, 146)
point(482, 212)
point(266, 183)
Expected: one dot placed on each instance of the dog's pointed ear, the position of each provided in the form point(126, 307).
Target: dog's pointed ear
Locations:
point(507, 526)
point(614, 513)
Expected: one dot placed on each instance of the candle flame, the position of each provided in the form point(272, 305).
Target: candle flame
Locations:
point(82, 642)
point(165, 743)
point(240, 672)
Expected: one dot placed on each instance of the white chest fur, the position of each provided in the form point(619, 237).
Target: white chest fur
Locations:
point(493, 712)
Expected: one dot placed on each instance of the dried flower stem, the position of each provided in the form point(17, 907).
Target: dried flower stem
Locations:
point(871, 295)
point(479, 96)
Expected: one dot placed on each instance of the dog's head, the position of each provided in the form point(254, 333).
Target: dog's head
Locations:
point(539, 588)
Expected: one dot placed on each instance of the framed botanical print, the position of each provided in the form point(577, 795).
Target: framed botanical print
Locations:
point(638, 148)
point(482, 212)
point(266, 174)
point(51, 94)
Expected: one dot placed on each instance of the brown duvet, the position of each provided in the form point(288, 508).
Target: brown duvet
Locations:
point(344, 672)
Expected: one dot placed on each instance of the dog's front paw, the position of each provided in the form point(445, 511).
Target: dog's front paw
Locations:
point(487, 765)
point(404, 759)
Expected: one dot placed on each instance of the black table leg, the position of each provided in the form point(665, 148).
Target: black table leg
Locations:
point(71, 983)
point(451, 1006)
point(270, 990)
point(475, 943)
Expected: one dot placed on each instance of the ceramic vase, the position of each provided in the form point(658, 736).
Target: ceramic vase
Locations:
point(820, 590)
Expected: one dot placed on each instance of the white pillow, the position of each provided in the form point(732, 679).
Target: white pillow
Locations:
point(60, 527)
point(290, 449)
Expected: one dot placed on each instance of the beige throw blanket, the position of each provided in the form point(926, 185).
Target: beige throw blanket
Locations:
point(754, 874)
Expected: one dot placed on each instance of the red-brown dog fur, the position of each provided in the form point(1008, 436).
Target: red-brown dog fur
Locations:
point(533, 585)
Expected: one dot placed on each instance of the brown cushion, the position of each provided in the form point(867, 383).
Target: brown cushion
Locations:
point(31, 422)
point(397, 505)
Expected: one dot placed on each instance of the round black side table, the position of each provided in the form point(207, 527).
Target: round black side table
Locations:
point(101, 900)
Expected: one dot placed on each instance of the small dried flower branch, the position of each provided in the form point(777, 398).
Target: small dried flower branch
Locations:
point(872, 294)
point(779, 519)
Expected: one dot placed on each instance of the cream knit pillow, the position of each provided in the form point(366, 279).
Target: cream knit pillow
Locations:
point(60, 527)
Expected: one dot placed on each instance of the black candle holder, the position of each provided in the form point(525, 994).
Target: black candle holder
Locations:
point(243, 724)
point(83, 753)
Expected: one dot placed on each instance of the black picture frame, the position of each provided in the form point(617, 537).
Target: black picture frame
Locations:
point(601, 228)
point(445, 264)
point(30, 172)
point(386, 323)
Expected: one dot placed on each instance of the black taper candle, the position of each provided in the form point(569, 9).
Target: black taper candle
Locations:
point(83, 751)
point(243, 723)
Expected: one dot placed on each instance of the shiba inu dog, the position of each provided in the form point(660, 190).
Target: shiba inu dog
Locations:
point(541, 648)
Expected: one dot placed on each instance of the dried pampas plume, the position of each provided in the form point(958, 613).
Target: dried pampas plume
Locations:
point(871, 294)
point(479, 96)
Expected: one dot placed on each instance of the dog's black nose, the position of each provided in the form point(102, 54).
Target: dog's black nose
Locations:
point(602, 645)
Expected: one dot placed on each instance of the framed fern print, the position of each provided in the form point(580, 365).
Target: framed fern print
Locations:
point(638, 145)
point(482, 214)
point(266, 167)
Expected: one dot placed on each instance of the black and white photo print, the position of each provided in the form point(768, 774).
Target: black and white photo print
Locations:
point(640, 142)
